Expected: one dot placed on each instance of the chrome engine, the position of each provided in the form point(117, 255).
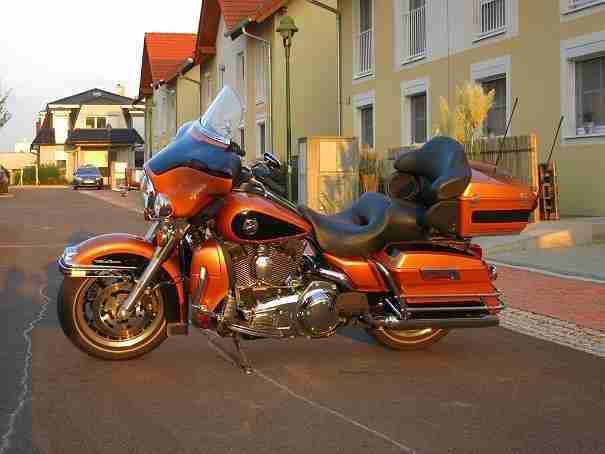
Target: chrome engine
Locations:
point(311, 312)
point(277, 297)
point(272, 265)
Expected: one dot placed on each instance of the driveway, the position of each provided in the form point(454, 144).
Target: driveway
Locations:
point(489, 390)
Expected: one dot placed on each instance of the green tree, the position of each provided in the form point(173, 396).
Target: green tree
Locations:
point(4, 113)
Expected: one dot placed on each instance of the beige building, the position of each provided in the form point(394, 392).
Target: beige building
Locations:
point(401, 56)
point(238, 45)
point(94, 127)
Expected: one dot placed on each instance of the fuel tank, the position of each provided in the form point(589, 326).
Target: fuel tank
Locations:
point(250, 218)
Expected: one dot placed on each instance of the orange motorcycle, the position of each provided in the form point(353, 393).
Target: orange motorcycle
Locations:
point(227, 253)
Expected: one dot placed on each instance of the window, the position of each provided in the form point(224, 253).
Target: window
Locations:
point(590, 96)
point(364, 36)
point(241, 75)
point(209, 91)
point(220, 76)
point(418, 117)
point(96, 122)
point(367, 125)
point(260, 72)
point(414, 31)
point(491, 17)
point(261, 146)
point(496, 117)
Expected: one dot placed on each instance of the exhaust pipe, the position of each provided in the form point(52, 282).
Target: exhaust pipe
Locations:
point(394, 323)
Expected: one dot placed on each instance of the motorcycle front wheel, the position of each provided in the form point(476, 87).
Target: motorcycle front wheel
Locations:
point(414, 339)
point(87, 311)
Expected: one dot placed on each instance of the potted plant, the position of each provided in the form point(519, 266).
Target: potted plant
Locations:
point(588, 122)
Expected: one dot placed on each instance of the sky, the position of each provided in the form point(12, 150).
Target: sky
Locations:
point(53, 49)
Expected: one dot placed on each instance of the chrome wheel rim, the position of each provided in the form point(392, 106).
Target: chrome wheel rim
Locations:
point(96, 309)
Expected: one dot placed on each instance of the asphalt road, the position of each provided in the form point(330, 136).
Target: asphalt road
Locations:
point(488, 390)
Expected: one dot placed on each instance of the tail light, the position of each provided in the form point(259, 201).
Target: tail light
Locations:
point(493, 272)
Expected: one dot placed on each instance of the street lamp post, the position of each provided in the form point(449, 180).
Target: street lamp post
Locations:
point(287, 29)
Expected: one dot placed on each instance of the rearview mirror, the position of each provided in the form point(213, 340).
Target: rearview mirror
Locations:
point(272, 160)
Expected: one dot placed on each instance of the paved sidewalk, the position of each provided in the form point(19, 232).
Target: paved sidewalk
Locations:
point(548, 234)
point(585, 261)
point(577, 301)
point(566, 311)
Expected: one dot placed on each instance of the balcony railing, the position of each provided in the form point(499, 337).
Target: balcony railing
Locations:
point(364, 53)
point(580, 3)
point(491, 17)
point(414, 34)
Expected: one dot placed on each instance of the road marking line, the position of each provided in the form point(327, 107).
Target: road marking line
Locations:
point(547, 273)
point(334, 413)
point(314, 404)
point(22, 399)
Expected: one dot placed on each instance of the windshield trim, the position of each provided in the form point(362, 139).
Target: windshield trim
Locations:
point(213, 135)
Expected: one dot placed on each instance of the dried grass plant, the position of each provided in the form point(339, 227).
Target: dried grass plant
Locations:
point(370, 170)
point(465, 122)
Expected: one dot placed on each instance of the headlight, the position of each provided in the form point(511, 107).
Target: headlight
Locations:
point(162, 207)
point(148, 195)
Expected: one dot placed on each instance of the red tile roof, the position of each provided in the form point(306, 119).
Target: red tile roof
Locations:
point(163, 54)
point(167, 51)
point(235, 11)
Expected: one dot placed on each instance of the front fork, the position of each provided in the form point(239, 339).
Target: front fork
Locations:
point(171, 234)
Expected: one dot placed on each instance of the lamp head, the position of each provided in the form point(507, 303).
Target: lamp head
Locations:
point(287, 28)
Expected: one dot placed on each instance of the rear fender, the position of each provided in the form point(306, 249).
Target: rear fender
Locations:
point(80, 259)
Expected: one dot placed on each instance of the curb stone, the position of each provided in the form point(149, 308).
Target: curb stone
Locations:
point(552, 329)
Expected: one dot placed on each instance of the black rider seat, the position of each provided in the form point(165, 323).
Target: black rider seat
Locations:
point(367, 226)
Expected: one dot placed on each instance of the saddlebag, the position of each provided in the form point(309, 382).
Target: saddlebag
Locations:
point(438, 276)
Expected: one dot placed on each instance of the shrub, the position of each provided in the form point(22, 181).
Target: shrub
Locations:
point(47, 174)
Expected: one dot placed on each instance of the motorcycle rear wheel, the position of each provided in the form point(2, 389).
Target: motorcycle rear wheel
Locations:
point(415, 339)
point(86, 310)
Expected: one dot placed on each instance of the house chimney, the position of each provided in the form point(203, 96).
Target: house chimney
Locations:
point(120, 90)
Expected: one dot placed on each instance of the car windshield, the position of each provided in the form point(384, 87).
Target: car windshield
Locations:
point(223, 116)
point(88, 171)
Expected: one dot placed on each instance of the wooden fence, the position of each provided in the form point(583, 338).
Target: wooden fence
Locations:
point(518, 157)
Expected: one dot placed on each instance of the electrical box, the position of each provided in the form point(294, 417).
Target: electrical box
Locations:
point(328, 173)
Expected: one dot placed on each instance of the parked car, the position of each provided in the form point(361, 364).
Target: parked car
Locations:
point(4, 180)
point(88, 177)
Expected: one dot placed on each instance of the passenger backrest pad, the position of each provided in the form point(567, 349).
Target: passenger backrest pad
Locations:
point(442, 163)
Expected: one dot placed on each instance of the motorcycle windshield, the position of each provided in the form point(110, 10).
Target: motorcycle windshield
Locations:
point(202, 144)
point(223, 116)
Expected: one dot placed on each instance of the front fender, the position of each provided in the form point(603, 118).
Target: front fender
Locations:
point(76, 260)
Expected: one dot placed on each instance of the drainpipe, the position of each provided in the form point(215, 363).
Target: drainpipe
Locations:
point(336, 12)
point(269, 102)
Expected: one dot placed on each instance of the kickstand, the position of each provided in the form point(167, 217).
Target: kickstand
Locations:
point(243, 360)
